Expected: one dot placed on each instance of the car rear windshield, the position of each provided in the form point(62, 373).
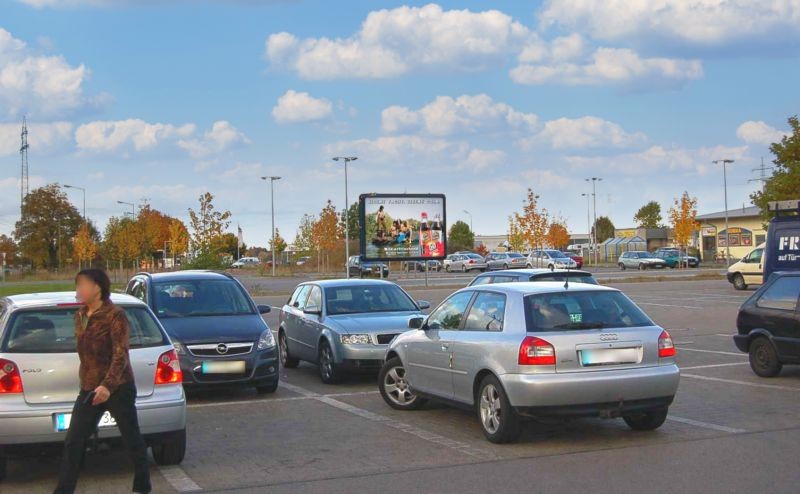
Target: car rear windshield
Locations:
point(53, 330)
point(367, 298)
point(474, 256)
point(575, 310)
point(515, 254)
point(556, 254)
point(195, 298)
point(573, 277)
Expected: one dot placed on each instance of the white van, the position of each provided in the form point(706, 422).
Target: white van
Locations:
point(749, 270)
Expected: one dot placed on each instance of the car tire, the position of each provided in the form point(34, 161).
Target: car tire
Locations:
point(3, 464)
point(287, 361)
point(328, 371)
point(528, 266)
point(268, 388)
point(647, 421)
point(171, 449)
point(551, 267)
point(499, 421)
point(621, 267)
point(763, 358)
point(463, 268)
point(738, 282)
point(394, 387)
point(642, 267)
point(447, 268)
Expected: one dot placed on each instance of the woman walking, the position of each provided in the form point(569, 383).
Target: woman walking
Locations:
point(106, 381)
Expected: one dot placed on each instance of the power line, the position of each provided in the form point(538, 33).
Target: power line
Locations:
point(762, 177)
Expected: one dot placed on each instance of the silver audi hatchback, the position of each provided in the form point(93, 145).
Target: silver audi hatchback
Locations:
point(39, 376)
point(535, 350)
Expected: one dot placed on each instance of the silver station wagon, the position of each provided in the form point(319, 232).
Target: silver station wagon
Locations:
point(535, 350)
point(39, 376)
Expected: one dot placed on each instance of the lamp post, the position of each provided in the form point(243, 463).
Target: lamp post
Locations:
point(588, 220)
point(133, 207)
point(470, 221)
point(347, 159)
point(84, 197)
point(272, 180)
point(594, 181)
point(725, 163)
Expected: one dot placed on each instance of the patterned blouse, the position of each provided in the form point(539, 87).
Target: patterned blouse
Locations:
point(102, 341)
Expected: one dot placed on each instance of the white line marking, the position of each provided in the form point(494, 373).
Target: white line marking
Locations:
point(711, 366)
point(712, 351)
point(705, 425)
point(741, 383)
point(725, 335)
point(178, 479)
point(275, 400)
point(667, 305)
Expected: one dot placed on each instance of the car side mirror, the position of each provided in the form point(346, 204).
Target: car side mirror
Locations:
point(312, 309)
point(423, 304)
point(416, 322)
point(264, 309)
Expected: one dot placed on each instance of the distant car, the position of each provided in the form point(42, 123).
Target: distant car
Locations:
point(505, 260)
point(675, 258)
point(749, 270)
point(768, 324)
point(575, 257)
point(39, 376)
point(466, 262)
point(550, 258)
point(447, 261)
point(364, 269)
point(343, 325)
point(535, 350)
point(302, 261)
point(246, 262)
point(640, 259)
point(217, 329)
point(536, 274)
point(419, 266)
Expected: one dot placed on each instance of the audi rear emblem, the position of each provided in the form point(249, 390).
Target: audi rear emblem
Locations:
point(222, 349)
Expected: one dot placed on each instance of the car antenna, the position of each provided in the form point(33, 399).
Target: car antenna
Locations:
point(566, 279)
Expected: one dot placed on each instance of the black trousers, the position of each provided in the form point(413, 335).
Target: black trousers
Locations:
point(85, 417)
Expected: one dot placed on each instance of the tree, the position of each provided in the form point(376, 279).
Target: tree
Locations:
point(84, 245)
point(325, 232)
point(481, 250)
point(605, 229)
point(225, 244)
point(352, 221)
point(178, 237)
point(557, 235)
point(515, 239)
point(682, 216)
point(784, 183)
point(460, 237)
point(9, 248)
point(304, 239)
point(280, 244)
point(207, 224)
point(649, 215)
point(533, 222)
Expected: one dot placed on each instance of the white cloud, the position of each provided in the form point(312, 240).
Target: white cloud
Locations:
point(463, 115)
point(698, 22)
point(42, 137)
point(221, 137)
point(758, 132)
point(408, 150)
point(582, 133)
point(481, 159)
point(294, 107)
point(404, 39)
point(111, 135)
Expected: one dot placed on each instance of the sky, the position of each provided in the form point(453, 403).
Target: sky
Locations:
point(161, 101)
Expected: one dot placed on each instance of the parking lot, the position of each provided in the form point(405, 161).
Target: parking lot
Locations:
point(728, 430)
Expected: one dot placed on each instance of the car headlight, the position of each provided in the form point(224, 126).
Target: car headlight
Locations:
point(266, 340)
point(179, 349)
point(356, 339)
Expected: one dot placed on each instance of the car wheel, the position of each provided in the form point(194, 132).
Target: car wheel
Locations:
point(327, 366)
point(447, 268)
point(646, 421)
point(551, 267)
point(171, 449)
point(642, 267)
point(463, 268)
point(528, 266)
point(394, 388)
point(499, 420)
point(764, 359)
point(287, 361)
point(738, 282)
point(621, 267)
point(267, 389)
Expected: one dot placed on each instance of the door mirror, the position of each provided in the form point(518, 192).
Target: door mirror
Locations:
point(264, 309)
point(423, 304)
point(312, 309)
point(416, 322)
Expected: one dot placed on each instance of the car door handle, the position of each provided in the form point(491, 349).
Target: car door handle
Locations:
point(445, 347)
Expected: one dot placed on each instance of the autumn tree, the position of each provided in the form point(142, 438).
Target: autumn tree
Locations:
point(516, 241)
point(682, 216)
point(326, 232)
point(649, 216)
point(9, 248)
point(280, 244)
point(481, 250)
point(533, 222)
point(460, 237)
point(304, 238)
point(178, 236)
point(605, 229)
point(784, 184)
point(557, 235)
point(207, 224)
point(84, 245)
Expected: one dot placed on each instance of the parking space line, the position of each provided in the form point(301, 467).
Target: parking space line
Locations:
point(726, 335)
point(178, 479)
point(712, 351)
point(277, 400)
point(741, 383)
point(705, 425)
point(711, 366)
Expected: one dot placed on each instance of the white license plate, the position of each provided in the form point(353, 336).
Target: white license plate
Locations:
point(63, 420)
point(609, 356)
point(227, 367)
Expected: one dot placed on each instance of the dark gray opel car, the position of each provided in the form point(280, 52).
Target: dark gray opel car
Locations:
point(216, 328)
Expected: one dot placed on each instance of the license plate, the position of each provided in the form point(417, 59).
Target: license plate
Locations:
point(609, 356)
point(63, 420)
point(228, 367)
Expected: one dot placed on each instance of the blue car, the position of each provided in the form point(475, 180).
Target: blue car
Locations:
point(218, 332)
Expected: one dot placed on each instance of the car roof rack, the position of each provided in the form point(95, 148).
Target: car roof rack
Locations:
point(789, 207)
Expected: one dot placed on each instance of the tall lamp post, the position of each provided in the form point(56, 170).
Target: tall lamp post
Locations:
point(594, 181)
point(347, 159)
point(588, 220)
point(470, 221)
point(725, 163)
point(132, 205)
point(84, 197)
point(272, 180)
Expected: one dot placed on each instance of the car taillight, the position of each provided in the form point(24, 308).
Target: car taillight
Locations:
point(536, 351)
point(10, 380)
point(666, 348)
point(472, 261)
point(169, 368)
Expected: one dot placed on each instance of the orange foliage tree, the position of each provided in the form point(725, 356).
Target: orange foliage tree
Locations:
point(557, 235)
point(533, 222)
point(683, 216)
point(84, 245)
point(326, 231)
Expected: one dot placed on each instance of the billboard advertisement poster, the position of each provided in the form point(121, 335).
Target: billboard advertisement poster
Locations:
point(402, 227)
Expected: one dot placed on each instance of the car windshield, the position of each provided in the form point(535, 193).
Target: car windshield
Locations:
point(646, 255)
point(576, 310)
point(474, 256)
point(191, 298)
point(573, 277)
point(53, 330)
point(367, 298)
point(515, 254)
point(556, 254)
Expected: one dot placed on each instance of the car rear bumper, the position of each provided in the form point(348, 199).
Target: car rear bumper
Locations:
point(588, 389)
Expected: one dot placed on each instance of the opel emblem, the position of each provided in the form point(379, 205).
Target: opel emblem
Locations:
point(222, 349)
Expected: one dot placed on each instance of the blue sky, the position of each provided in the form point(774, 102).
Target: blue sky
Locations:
point(165, 100)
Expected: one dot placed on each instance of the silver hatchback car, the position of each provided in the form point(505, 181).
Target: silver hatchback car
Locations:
point(535, 350)
point(39, 376)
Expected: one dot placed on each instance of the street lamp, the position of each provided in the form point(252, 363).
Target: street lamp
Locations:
point(588, 221)
point(84, 198)
point(346, 159)
point(132, 205)
point(272, 180)
point(725, 163)
point(594, 181)
point(470, 221)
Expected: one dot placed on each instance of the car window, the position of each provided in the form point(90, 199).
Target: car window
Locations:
point(576, 310)
point(481, 280)
point(503, 279)
point(487, 312)
point(755, 256)
point(53, 330)
point(782, 294)
point(450, 314)
point(362, 299)
point(302, 296)
point(137, 289)
point(296, 295)
point(194, 298)
point(314, 298)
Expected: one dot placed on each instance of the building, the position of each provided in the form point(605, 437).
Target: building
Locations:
point(745, 231)
point(491, 242)
point(653, 237)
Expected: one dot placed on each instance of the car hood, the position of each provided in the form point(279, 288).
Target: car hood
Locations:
point(214, 329)
point(371, 323)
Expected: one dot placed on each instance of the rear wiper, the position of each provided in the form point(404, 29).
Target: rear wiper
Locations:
point(580, 325)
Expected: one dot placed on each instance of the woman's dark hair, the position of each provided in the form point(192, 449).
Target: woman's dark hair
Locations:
point(100, 278)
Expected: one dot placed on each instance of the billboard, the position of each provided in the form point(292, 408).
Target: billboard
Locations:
point(399, 227)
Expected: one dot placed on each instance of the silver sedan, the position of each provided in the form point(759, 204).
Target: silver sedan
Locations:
point(535, 350)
